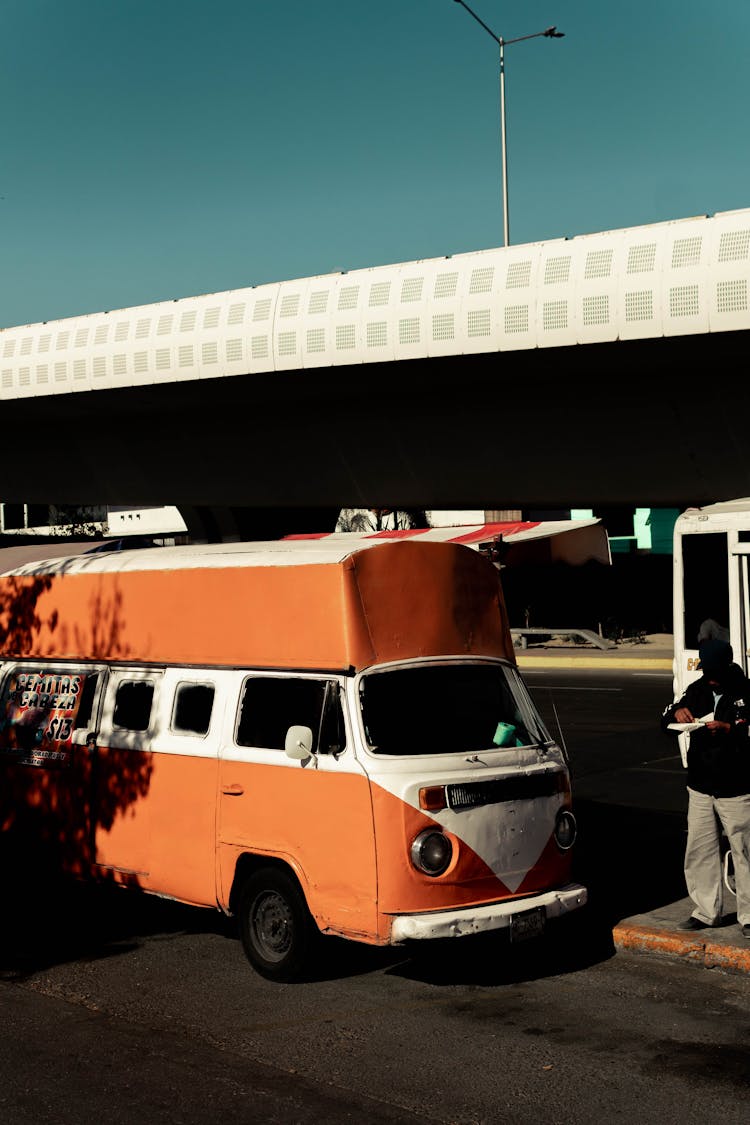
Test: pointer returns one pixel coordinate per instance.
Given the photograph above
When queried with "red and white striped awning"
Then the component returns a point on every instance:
(571, 541)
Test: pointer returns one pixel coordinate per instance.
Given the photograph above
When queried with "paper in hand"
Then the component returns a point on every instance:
(695, 725)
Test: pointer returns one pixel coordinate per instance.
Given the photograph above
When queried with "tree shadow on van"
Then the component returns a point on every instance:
(54, 790)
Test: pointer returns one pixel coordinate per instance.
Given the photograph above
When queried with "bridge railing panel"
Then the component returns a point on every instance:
(518, 278)
(412, 307)
(555, 293)
(640, 303)
(480, 294)
(379, 324)
(288, 342)
(320, 299)
(729, 273)
(684, 275)
(598, 271)
(345, 317)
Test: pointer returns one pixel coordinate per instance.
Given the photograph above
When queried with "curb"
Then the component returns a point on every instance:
(657, 663)
(709, 954)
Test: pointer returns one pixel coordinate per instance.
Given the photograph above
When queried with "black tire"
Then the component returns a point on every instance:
(277, 931)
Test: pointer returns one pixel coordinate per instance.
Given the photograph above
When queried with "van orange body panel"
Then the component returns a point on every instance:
(163, 830)
(404, 890)
(378, 605)
(317, 820)
(123, 838)
(467, 882)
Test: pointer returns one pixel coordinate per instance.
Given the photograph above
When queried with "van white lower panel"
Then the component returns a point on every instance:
(493, 916)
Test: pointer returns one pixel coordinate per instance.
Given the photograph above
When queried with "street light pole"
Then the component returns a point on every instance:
(504, 146)
(548, 33)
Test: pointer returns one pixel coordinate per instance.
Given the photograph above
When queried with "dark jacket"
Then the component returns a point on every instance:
(718, 764)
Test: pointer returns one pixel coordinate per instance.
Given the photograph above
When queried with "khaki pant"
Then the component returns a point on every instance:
(703, 868)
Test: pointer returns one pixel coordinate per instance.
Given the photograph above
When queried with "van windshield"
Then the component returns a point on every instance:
(448, 709)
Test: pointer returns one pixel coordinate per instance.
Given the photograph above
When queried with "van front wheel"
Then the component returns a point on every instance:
(276, 929)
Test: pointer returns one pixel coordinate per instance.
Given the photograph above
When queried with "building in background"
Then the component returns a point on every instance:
(44, 522)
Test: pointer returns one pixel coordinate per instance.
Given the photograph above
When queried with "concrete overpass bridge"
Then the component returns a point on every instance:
(605, 369)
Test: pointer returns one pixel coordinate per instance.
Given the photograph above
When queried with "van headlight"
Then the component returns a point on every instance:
(565, 830)
(431, 852)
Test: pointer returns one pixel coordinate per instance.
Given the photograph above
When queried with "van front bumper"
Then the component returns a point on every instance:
(478, 919)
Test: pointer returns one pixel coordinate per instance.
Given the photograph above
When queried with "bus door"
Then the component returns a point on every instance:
(314, 814)
(741, 582)
(705, 609)
(122, 773)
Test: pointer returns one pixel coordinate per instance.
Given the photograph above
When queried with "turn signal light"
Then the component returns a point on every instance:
(432, 798)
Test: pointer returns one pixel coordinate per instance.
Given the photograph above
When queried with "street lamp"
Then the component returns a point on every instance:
(548, 33)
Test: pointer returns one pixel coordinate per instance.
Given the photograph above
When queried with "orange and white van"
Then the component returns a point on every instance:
(317, 737)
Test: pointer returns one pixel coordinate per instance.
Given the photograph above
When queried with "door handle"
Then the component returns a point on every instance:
(233, 790)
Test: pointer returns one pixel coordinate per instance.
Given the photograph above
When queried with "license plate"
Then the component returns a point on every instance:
(529, 924)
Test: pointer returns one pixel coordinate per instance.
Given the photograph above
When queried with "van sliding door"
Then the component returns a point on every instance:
(124, 764)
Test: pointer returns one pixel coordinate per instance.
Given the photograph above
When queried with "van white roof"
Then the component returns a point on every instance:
(571, 541)
(283, 604)
(282, 552)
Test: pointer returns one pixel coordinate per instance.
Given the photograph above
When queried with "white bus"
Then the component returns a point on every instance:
(711, 584)
(711, 595)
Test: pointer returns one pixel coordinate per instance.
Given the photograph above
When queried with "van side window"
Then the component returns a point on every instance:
(133, 705)
(271, 705)
(333, 729)
(86, 706)
(193, 704)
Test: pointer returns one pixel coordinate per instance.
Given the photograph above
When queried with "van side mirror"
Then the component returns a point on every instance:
(298, 743)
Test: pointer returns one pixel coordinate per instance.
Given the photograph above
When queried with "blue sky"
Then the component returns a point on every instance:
(154, 149)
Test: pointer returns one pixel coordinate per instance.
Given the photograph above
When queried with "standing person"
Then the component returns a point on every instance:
(718, 765)
(711, 630)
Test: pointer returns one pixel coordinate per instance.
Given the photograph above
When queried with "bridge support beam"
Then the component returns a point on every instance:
(622, 423)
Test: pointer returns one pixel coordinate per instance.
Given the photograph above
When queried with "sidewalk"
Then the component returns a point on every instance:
(654, 654)
(656, 931)
(723, 947)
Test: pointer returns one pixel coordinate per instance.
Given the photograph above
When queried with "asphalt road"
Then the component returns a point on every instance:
(124, 1008)
(161, 1020)
(628, 783)
(610, 725)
